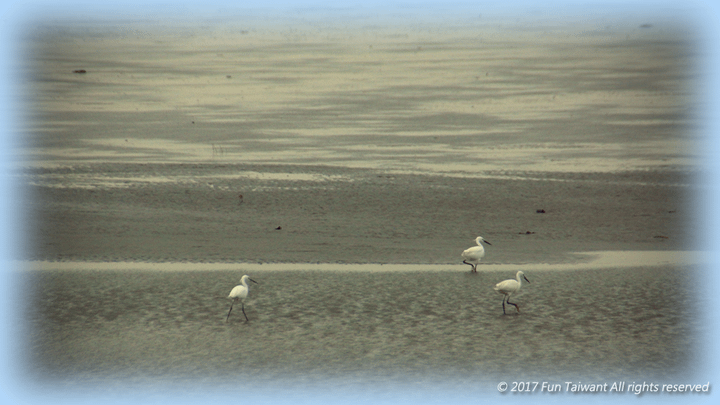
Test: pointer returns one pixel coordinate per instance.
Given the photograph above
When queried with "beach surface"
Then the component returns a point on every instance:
(182, 158)
(358, 144)
(176, 213)
(104, 328)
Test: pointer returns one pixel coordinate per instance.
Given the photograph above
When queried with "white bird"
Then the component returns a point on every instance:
(475, 253)
(240, 292)
(510, 286)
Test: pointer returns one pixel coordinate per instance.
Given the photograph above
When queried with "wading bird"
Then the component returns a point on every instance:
(239, 293)
(474, 254)
(508, 287)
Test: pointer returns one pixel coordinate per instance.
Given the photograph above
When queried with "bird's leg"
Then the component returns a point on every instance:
(471, 265)
(228, 315)
(504, 305)
(516, 305)
(243, 309)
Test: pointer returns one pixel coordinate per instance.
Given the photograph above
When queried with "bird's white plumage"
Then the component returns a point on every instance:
(508, 287)
(473, 255)
(239, 293)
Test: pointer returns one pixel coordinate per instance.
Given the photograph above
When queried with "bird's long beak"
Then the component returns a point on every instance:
(487, 242)
(253, 280)
(526, 279)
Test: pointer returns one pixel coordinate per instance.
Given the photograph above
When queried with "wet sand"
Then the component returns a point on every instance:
(359, 145)
(469, 97)
(327, 329)
(364, 143)
(348, 216)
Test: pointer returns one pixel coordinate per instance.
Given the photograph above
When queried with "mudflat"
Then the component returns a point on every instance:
(357, 143)
(347, 215)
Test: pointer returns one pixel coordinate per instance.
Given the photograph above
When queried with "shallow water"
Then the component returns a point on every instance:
(112, 329)
(129, 162)
(365, 96)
